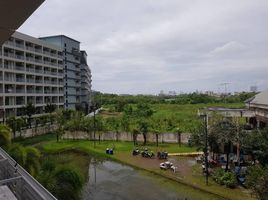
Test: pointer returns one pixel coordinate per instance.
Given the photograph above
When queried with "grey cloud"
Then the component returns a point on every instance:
(144, 46)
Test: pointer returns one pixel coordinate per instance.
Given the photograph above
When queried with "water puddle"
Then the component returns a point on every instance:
(113, 181)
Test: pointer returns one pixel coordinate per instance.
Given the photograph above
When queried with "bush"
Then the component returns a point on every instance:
(224, 178)
(229, 179)
(217, 176)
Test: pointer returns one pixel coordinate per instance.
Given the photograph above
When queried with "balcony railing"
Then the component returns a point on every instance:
(20, 68)
(20, 80)
(19, 57)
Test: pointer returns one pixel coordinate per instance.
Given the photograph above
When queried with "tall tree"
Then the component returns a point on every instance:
(29, 111)
(226, 133)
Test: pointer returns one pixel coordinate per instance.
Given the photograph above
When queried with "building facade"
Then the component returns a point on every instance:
(31, 71)
(259, 105)
(77, 74)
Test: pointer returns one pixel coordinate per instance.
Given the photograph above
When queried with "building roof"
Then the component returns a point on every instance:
(260, 99)
(13, 13)
(60, 36)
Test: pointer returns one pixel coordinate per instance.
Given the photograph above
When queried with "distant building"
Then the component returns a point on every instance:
(259, 104)
(253, 88)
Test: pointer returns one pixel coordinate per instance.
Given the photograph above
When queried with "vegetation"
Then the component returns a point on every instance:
(225, 178)
(257, 181)
(5, 136)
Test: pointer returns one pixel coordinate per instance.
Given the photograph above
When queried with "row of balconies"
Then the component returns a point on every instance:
(22, 79)
(34, 70)
(31, 91)
(34, 48)
(36, 60)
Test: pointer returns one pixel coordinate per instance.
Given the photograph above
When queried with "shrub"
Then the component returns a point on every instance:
(229, 179)
(224, 178)
(217, 176)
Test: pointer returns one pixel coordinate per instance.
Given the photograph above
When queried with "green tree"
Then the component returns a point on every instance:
(60, 119)
(225, 132)
(135, 133)
(256, 144)
(5, 136)
(29, 111)
(257, 181)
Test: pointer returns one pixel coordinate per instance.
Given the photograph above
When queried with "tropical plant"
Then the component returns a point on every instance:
(28, 157)
(5, 136)
(65, 182)
(12, 123)
(32, 162)
(18, 153)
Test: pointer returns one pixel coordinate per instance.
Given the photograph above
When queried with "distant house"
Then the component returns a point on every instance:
(259, 105)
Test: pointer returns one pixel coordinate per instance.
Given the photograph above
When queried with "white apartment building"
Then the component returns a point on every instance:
(31, 71)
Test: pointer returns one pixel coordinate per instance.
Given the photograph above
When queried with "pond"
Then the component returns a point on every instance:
(111, 180)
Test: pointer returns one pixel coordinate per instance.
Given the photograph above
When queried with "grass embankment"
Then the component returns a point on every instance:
(190, 176)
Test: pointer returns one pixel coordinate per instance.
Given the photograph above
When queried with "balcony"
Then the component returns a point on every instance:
(38, 60)
(40, 71)
(8, 66)
(30, 48)
(30, 69)
(19, 68)
(19, 45)
(20, 80)
(21, 57)
(30, 91)
(39, 81)
(39, 91)
(31, 59)
(30, 81)
(20, 91)
(10, 55)
(10, 79)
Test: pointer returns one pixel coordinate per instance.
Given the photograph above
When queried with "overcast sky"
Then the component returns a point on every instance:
(144, 46)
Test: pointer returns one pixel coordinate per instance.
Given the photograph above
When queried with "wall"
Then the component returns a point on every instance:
(165, 137)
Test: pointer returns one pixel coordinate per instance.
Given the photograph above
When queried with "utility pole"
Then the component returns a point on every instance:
(225, 90)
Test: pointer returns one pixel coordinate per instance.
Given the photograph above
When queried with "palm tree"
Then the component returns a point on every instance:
(68, 184)
(12, 123)
(32, 164)
(18, 153)
(5, 136)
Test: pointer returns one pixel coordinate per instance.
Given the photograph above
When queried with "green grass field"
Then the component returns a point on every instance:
(182, 116)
